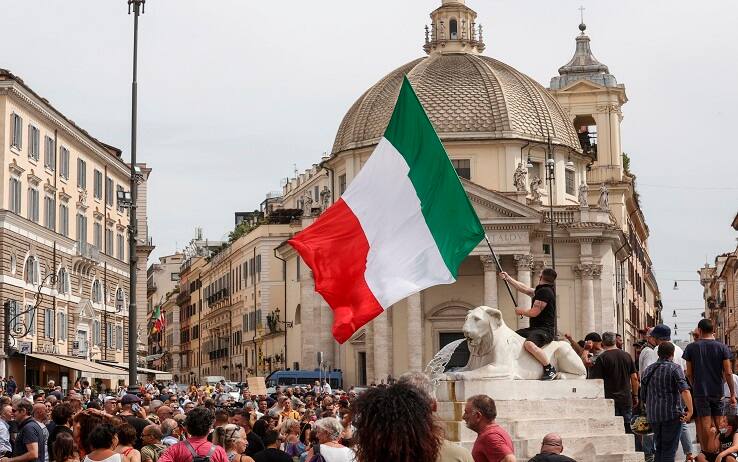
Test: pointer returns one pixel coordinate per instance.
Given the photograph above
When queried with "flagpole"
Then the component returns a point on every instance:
(497, 262)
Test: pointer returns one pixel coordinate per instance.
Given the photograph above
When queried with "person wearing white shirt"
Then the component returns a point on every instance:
(729, 410)
(327, 388)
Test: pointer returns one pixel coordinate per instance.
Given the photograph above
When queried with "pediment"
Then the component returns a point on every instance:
(85, 311)
(580, 85)
(492, 206)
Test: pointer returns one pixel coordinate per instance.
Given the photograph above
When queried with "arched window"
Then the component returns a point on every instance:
(31, 270)
(120, 300)
(62, 282)
(97, 295)
(298, 315)
(453, 29)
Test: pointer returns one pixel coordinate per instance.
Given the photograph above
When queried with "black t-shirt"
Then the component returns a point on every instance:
(139, 424)
(272, 455)
(54, 433)
(29, 431)
(255, 444)
(551, 458)
(547, 319)
(707, 358)
(614, 367)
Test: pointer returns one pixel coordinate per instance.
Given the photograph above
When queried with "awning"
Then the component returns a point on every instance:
(163, 375)
(88, 369)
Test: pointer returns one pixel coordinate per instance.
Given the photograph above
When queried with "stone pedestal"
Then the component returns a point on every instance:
(529, 409)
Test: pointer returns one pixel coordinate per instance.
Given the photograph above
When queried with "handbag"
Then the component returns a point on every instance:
(641, 425)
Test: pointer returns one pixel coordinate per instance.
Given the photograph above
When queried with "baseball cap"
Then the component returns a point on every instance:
(661, 332)
(130, 399)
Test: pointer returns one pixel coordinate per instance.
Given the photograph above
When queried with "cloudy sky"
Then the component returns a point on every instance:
(235, 93)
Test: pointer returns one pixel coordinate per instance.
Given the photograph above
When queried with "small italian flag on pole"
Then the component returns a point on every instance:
(404, 224)
(159, 322)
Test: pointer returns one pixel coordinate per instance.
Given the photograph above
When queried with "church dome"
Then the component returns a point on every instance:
(467, 96)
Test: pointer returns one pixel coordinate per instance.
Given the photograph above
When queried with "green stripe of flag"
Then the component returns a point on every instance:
(452, 221)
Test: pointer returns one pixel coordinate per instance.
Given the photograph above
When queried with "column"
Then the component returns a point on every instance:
(308, 307)
(587, 272)
(326, 333)
(414, 333)
(381, 348)
(524, 264)
(490, 280)
(369, 345)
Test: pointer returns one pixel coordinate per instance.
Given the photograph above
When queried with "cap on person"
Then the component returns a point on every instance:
(661, 332)
(130, 399)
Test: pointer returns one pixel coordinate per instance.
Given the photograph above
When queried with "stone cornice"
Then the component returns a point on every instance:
(11, 88)
(33, 179)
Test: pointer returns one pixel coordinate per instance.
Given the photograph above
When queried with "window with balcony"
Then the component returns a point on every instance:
(33, 205)
(50, 213)
(109, 242)
(49, 325)
(16, 131)
(14, 196)
(64, 163)
(49, 153)
(34, 142)
(109, 191)
(62, 282)
(31, 271)
(64, 220)
(97, 189)
(97, 235)
(97, 293)
(81, 174)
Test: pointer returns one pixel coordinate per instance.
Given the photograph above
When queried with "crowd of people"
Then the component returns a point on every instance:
(657, 392)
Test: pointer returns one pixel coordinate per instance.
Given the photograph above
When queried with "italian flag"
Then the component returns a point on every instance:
(159, 322)
(404, 224)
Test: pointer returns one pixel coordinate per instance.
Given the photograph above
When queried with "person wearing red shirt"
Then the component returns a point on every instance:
(198, 424)
(493, 443)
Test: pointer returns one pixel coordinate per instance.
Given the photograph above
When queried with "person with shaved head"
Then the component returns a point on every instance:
(551, 450)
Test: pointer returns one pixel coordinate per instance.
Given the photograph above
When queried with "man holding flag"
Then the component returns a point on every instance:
(542, 314)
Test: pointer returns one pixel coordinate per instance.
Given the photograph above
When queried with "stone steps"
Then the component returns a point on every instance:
(529, 409)
(535, 409)
(538, 428)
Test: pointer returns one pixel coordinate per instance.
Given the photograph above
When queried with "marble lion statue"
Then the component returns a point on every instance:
(497, 352)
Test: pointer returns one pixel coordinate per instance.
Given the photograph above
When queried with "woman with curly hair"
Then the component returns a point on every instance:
(395, 423)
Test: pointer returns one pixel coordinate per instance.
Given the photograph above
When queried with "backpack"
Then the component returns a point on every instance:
(198, 458)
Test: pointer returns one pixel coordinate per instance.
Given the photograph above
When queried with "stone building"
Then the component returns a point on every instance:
(161, 281)
(720, 293)
(62, 235)
(506, 135)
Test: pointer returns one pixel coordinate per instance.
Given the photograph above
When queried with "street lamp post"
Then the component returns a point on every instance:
(138, 8)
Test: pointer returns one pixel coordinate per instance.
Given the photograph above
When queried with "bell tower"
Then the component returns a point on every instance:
(453, 29)
(593, 97)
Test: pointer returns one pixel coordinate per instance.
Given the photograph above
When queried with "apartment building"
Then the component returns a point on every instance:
(64, 278)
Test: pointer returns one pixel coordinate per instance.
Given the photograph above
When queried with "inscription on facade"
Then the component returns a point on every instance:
(508, 237)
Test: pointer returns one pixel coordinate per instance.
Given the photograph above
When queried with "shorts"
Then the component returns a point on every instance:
(712, 456)
(540, 337)
(707, 406)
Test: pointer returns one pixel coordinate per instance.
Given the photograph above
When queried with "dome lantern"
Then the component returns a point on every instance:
(583, 66)
(453, 29)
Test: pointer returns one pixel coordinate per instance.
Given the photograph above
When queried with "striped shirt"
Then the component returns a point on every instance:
(661, 389)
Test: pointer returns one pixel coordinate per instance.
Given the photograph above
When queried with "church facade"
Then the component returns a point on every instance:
(544, 171)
